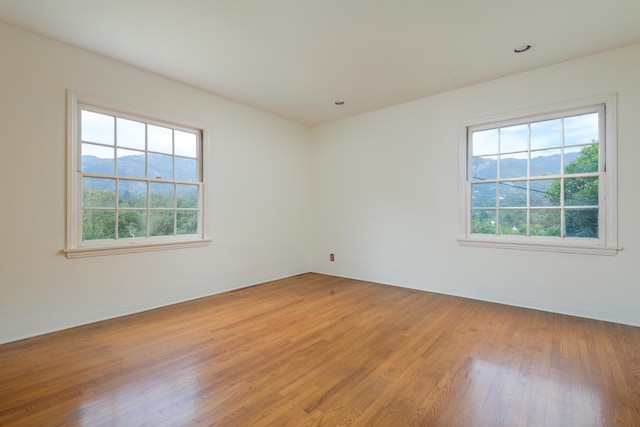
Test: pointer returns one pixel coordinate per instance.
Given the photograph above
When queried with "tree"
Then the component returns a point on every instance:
(132, 223)
(579, 192)
(187, 222)
(98, 223)
(578, 189)
(161, 222)
(99, 215)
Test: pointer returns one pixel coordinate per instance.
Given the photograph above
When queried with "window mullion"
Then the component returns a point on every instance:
(117, 206)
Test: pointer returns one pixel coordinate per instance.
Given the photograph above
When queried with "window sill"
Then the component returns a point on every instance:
(542, 247)
(133, 248)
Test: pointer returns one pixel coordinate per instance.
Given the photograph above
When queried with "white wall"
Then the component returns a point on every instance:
(257, 199)
(385, 197)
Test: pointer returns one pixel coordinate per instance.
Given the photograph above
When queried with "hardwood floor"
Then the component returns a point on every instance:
(320, 350)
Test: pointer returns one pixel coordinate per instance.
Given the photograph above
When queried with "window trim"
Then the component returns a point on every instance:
(607, 243)
(74, 246)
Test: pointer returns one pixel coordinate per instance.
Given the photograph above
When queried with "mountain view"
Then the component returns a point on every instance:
(160, 166)
(487, 167)
(173, 208)
(561, 206)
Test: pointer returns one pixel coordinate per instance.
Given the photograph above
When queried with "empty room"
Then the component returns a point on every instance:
(319, 213)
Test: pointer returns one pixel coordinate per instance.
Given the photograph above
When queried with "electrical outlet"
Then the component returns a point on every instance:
(332, 257)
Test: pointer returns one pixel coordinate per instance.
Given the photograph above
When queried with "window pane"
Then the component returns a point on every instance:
(513, 222)
(97, 127)
(130, 163)
(546, 134)
(161, 223)
(186, 169)
(160, 139)
(581, 192)
(581, 129)
(131, 134)
(162, 195)
(513, 194)
(97, 159)
(581, 223)
(581, 159)
(546, 162)
(514, 138)
(98, 193)
(484, 168)
(160, 166)
(132, 223)
(484, 142)
(483, 195)
(545, 192)
(545, 222)
(513, 165)
(187, 196)
(132, 194)
(483, 221)
(186, 144)
(187, 222)
(98, 224)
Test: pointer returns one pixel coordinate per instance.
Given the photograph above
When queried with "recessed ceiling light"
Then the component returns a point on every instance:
(339, 102)
(523, 48)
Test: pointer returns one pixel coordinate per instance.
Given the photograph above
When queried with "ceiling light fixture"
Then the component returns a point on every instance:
(523, 48)
(339, 102)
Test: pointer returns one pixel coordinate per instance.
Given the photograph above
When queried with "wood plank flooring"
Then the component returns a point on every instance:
(317, 350)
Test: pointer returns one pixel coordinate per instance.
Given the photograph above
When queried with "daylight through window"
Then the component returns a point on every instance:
(541, 180)
(137, 181)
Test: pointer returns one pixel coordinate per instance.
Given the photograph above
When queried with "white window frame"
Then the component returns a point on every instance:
(607, 241)
(77, 248)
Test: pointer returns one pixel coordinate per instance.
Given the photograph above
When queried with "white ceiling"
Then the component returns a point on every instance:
(294, 58)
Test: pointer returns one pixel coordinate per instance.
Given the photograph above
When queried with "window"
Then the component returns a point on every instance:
(542, 180)
(135, 183)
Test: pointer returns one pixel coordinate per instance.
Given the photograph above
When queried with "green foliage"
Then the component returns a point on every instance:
(161, 200)
(513, 222)
(161, 223)
(98, 198)
(545, 223)
(98, 224)
(587, 161)
(579, 192)
(132, 223)
(483, 221)
(581, 223)
(127, 200)
(101, 223)
(578, 189)
(187, 222)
